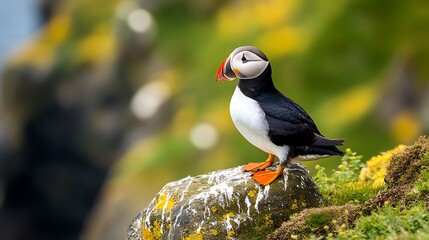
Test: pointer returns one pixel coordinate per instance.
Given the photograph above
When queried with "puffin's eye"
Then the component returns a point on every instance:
(243, 59)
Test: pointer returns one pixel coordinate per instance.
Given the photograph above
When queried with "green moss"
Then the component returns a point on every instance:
(358, 193)
(353, 193)
(425, 159)
(342, 186)
(405, 166)
(392, 222)
(421, 186)
(317, 220)
(397, 211)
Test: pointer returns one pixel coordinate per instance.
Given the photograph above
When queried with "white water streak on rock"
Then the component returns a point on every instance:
(175, 223)
(186, 189)
(258, 199)
(285, 179)
(219, 177)
(228, 223)
(248, 205)
(148, 215)
(302, 182)
(238, 205)
(220, 200)
(211, 177)
(200, 226)
(238, 221)
(164, 209)
(224, 191)
(266, 191)
(262, 194)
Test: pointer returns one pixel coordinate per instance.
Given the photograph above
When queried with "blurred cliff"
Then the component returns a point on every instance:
(110, 100)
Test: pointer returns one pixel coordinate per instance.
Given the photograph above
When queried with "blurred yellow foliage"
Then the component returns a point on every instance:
(37, 53)
(170, 75)
(219, 116)
(41, 51)
(376, 167)
(272, 13)
(405, 127)
(182, 120)
(281, 41)
(349, 106)
(57, 29)
(99, 46)
(242, 17)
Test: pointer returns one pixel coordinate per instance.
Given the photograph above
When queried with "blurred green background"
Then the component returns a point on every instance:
(104, 102)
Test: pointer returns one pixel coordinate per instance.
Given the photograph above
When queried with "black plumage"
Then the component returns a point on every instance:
(267, 118)
(289, 124)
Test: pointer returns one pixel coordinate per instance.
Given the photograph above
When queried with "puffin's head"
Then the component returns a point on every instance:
(244, 63)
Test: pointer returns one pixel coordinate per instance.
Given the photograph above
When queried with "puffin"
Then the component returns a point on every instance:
(268, 119)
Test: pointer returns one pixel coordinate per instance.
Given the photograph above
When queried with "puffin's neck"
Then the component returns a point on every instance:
(256, 87)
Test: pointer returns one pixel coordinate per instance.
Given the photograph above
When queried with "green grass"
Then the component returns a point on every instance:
(317, 219)
(343, 185)
(421, 186)
(393, 222)
(355, 210)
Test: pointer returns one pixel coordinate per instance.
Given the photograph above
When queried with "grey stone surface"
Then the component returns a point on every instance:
(226, 204)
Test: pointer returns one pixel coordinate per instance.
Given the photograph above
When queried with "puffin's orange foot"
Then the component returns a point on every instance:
(259, 165)
(264, 177)
(255, 166)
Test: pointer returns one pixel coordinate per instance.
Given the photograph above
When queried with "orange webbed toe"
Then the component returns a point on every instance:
(256, 166)
(265, 177)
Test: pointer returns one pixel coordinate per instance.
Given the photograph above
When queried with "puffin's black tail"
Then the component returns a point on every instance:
(314, 151)
(322, 141)
(321, 147)
(324, 146)
(331, 150)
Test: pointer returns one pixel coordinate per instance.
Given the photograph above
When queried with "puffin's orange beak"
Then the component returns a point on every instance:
(224, 72)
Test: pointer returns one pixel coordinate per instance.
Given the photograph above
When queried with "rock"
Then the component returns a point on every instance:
(406, 187)
(225, 204)
(405, 166)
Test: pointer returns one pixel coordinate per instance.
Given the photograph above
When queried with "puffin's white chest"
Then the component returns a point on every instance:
(249, 119)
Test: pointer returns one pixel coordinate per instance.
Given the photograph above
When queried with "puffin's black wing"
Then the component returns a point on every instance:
(289, 124)
(287, 133)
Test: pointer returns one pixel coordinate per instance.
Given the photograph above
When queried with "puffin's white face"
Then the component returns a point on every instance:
(244, 62)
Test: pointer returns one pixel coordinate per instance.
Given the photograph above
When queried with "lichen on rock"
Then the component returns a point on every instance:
(225, 204)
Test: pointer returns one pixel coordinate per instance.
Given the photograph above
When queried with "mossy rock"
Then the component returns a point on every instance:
(316, 221)
(225, 204)
(406, 166)
(407, 184)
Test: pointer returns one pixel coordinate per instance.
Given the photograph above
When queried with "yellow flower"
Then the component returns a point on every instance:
(342, 166)
(381, 173)
(376, 168)
(378, 182)
(364, 173)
